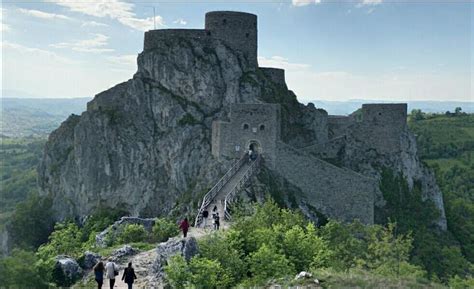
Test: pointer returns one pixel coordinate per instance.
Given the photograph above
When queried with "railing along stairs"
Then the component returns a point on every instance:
(217, 187)
(230, 197)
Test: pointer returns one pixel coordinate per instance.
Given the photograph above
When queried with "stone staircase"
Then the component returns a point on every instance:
(220, 198)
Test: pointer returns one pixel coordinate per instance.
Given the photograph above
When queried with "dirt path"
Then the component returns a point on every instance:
(142, 263)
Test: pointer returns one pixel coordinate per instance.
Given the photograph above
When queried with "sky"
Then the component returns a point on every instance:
(331, 50)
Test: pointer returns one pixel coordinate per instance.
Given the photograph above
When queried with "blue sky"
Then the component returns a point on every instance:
(331, 50)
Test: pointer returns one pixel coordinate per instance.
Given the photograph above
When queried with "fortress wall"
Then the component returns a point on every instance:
(338, 193)
(328, 150)
(338, 124)
(263, 122)
(153, 37)
(237, 29)
(220, 131)
(382, 126)
(276, 75)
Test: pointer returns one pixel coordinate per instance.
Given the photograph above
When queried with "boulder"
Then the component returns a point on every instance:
(66, 271)
(126, 250)
(89, 260)
(186, 247)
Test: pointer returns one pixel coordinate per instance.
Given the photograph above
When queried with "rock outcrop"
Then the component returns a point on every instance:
(66, 271)
(144, 145)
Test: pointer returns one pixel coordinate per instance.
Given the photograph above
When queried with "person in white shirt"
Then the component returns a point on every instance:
(110, 269)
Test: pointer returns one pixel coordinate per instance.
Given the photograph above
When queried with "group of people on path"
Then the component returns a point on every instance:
(110, 271)
(215, 218)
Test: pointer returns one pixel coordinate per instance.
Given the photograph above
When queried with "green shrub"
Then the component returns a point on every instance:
(19, 271)
(199, 273)
(65, 239)
(266, 263)
(177, 272)
(188, 119)
(208, 274)
(163, 230)
(225, 248)
(132, 233)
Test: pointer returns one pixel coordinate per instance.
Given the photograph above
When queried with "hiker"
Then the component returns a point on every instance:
(205, 214)
(99, 274)
(111, 271)
(184, 227)
(216, 221)
(129, 275)
(214, 209)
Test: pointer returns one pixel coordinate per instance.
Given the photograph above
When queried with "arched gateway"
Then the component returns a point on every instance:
(253, 127)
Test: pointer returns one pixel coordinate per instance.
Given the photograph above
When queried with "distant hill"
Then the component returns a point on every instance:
(20, 117)
(347, 107)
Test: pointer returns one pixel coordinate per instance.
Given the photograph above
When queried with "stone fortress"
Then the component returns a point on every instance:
(198, 102)
(335, 191)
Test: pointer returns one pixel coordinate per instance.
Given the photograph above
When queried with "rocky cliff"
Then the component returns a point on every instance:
(144, 145)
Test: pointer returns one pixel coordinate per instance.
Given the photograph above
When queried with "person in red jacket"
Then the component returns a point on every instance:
(184, 226)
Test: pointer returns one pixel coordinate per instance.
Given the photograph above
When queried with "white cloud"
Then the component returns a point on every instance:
(114, 9)
(43, 15)
(180, 21)
(281, 62)
(93, 45)
(40, 53)
(299, 3)
(93, 24)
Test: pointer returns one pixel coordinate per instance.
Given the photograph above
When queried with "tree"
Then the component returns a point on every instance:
(226, 249)
(267, 263)
(304, 248)
(31, 223)
(19, 271)
(417, 114)
(65, 239)
(457, 111)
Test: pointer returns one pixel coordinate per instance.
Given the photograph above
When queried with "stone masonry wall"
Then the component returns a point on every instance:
(276, 75)
(382, 126)
(339, 193)
(237, 29)
(153, 37)
(259, 123)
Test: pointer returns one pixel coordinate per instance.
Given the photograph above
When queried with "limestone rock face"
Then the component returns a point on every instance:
(144, 146)
(186, 247)
(404, 161)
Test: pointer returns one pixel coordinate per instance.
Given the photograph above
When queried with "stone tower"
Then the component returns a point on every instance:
(237, 29)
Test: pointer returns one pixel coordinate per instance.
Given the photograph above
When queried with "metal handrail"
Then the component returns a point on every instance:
(210, 195)
(237, 188)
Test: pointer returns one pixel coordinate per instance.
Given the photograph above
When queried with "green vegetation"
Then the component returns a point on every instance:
(18, 160)
(446, 144)
(188, 119)
(163, 230)
(276, 244)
